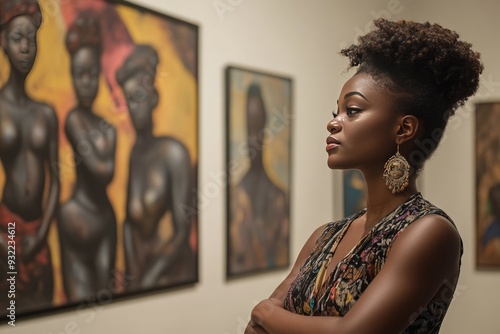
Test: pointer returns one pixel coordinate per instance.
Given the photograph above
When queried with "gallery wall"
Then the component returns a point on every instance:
(300, 39)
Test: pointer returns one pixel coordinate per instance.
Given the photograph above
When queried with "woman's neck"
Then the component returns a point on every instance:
(87, 110)
(380, 199)
(15, 88)
(256, 163)
(144, 137)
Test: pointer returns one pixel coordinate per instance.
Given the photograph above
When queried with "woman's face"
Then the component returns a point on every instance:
(139, 98)
(364, 127)
(19, 43)
(85, 69)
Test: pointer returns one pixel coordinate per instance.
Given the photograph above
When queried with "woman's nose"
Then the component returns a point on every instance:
(333, 126)
(24, 45)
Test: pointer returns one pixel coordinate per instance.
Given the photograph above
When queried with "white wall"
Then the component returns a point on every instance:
(300, 39)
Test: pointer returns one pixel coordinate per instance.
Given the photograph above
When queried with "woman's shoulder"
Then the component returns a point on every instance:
(431, 227)
(43, 108)
(426, 210)
(413, 209)
(435, 209)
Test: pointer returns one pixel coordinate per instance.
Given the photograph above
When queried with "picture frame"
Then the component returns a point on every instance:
(487, 169)
(259, 121)
(108, 156)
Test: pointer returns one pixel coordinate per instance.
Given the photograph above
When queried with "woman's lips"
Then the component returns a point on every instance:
(331, 143)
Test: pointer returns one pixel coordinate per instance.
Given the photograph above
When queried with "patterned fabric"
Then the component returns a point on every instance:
(358, 268)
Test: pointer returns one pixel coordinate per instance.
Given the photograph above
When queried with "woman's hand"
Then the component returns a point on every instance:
(260, 313)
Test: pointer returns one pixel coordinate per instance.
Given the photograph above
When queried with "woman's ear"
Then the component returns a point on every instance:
(409, 128)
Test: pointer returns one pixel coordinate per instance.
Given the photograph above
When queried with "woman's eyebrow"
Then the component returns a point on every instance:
(354, 93)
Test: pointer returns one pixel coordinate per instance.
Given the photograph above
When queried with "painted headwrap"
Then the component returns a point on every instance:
(85, 31)
(10, 9)
(143, 58)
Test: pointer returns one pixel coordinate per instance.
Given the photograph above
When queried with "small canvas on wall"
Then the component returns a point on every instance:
(259, 122)
(488, 185)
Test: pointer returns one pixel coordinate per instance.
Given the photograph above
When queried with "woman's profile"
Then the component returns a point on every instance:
(393, 266)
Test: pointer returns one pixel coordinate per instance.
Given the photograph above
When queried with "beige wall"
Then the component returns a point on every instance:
(301, 39)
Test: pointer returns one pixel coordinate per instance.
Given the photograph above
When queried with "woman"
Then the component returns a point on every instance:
(86, 222)
(392, 267)
(156, 228)
(28, 148)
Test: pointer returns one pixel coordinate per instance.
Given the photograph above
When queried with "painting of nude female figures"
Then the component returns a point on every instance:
(258, 170)
(99, 127)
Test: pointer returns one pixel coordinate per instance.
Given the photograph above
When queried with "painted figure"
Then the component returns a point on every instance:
(28, 148)
(156, 229)
(87, 222)
(259, 208)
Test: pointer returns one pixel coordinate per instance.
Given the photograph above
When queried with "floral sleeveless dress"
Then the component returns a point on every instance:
(354, 272)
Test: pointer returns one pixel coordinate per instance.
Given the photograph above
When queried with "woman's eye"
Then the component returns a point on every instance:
(352, 111)
(15, 38)
(335, 114)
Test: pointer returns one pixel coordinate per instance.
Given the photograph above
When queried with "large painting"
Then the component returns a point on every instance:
(259, 109)
(99, 153)
(488, 185)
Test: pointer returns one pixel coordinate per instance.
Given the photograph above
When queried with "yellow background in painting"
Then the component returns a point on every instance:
(50, 82)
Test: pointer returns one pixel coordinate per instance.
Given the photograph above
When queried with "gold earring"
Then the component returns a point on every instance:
(396, 173)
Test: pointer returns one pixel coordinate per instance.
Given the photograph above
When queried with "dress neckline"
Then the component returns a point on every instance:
(322, 280)
(389, 214)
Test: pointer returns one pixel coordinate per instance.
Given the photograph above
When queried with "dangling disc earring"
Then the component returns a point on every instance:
(396, 173)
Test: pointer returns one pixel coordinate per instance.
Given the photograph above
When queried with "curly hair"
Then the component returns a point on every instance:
(426, 67)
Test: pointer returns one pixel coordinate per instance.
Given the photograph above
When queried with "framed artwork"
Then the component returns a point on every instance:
(354, 191)
(259, 122)
(99, 154)
(487, 185)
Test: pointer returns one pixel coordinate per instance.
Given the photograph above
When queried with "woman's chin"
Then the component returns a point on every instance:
(337, 165)
(332, 165)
